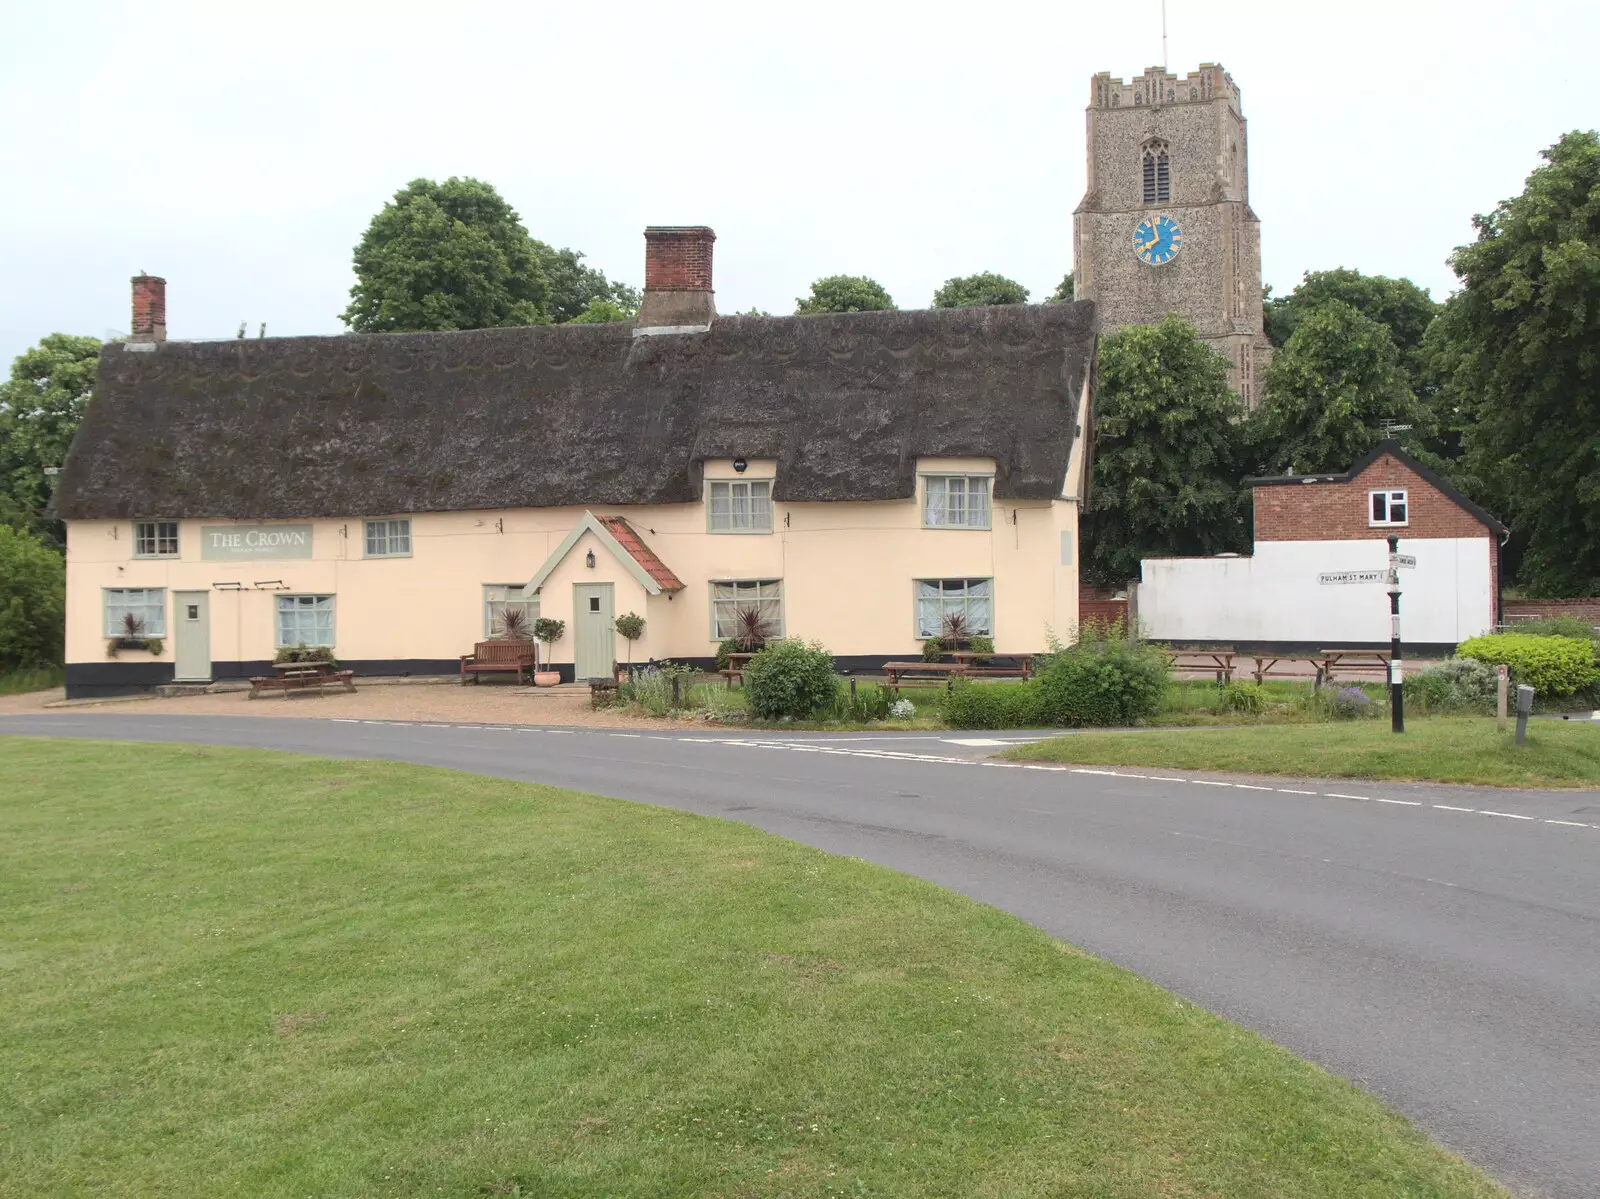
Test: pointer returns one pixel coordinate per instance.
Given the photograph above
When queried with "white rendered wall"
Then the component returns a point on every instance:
(1275, 595)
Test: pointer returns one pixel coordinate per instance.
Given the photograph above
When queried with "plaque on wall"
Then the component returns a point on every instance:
(255, 543)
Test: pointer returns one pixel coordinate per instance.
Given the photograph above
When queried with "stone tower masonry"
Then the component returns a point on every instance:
(1175, 147)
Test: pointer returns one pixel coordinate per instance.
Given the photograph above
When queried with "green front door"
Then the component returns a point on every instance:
(593, 631)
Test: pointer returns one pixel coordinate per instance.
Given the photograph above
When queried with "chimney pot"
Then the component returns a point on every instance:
(149, 309)
(677, 277)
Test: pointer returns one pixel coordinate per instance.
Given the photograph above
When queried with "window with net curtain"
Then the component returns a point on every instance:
(956, 501)
(741, 505)
(147, 605)
(498, 598)
(972, 599)
(763, 595)
(305, 620)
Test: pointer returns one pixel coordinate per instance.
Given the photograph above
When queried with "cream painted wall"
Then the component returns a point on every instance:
(847, 569)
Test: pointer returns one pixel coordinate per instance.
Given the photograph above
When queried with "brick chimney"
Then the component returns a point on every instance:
(677, 278)
(149, 309)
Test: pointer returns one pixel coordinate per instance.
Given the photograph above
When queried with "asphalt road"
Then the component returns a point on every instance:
(1437, 946)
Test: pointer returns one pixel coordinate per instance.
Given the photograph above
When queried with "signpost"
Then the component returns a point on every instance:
(1502, 679)
(1397, 691)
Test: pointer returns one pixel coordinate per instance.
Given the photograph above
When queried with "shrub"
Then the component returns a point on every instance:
(1550, 665)
(1247, 699)
(304, 653)
(868, 703)
(650, 687)
(1105, 679)
(1455, 685)
(1349, 703)
(981, 645)
(903, 709)
(932, 649)
(970, 705)
(631, 627)
(792, 679)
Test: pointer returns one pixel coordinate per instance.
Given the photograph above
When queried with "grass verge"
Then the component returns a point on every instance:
(242, 972)
(21, 682)
(1462, 749)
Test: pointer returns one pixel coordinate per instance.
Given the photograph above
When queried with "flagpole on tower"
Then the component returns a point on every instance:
(1163, 36)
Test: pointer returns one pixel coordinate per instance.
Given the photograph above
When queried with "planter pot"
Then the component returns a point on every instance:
(546, 678)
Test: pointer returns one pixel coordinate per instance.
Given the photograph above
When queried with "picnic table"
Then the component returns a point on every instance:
(302, 676)
(921, 674)
(1354, 660)
(1218, 659)
(974, 662)
(735, 668)
(1266, 663)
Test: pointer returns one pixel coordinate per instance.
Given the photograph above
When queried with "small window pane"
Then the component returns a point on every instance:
(956, 502)
(729, 599)
(741, 506)
(938, 599)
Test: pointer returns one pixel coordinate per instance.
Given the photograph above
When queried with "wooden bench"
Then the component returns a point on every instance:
(900, 675)
(1265, 664)
(310, 678)
(983, 665)
(1218, 660)
(505, 657)
(1359, 661)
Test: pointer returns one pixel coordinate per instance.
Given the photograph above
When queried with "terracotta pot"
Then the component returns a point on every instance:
(546, 678)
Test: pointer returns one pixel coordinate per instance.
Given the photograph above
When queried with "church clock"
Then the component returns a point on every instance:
(1157, 240)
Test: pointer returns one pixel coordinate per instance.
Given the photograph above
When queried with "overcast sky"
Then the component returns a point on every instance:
(240, 149)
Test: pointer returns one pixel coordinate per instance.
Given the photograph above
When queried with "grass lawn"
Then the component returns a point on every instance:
(1446, 749)
(21, 682)
(228, 972)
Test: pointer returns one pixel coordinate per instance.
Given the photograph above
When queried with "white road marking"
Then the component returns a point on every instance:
(634, 735)
(1409, 803)
(1507, 815)
(1210, 783)
(1568, 823)
(1292, 791)
(1338, 795)
(1039, 811)
(974, 741)
(1444, 807)
(1249, 787)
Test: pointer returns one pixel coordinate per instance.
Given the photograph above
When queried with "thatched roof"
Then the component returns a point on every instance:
(577, 414)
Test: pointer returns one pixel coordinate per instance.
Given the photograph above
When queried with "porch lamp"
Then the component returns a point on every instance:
(588, 559)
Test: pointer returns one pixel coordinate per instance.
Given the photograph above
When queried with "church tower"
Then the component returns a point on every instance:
(1165, 224)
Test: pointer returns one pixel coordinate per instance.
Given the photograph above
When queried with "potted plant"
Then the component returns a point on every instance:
(631, 627)
(547, 631)
(957, 631)
(513, 625)
(132, 636)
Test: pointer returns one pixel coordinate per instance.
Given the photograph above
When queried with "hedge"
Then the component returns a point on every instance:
(1550, 665)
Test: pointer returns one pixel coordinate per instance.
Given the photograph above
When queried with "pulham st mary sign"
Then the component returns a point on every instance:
(236, 543)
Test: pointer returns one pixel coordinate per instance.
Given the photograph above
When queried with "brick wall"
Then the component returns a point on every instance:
(1587, 608)
(149, 309)
(1095, 605)
(678, 259)
(1339, 511)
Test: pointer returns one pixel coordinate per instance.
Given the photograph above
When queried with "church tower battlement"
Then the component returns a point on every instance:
(1165, 224)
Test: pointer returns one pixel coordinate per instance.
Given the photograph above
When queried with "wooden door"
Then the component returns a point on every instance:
(594, 633)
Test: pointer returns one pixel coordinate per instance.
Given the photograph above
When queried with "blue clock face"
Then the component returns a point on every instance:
(1157, 240)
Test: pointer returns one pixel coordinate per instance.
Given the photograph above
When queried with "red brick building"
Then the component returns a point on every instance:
(1314, 579)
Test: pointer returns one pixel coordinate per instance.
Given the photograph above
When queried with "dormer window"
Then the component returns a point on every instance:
(956, 501)
(155, 539)
(740, 505)
(1156, 161)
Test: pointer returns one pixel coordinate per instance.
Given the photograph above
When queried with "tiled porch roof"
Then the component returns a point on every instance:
(630, 540)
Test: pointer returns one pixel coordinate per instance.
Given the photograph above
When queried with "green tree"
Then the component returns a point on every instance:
(1520, 353)
(1329, 388)
(979, 291)
(603, 311)
(444, 256)
(33, 601)
(1400, 305)
(844, 293)
(1063, 293)
(574, 287)
(1166, 475)
(40, 406)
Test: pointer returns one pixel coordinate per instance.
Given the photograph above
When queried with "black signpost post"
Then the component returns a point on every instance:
(1397, 691)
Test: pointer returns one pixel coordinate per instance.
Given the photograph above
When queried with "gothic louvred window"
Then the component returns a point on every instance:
(1157, 163)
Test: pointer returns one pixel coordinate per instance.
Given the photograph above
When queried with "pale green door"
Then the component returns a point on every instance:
(593, 631)
(191, 636)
